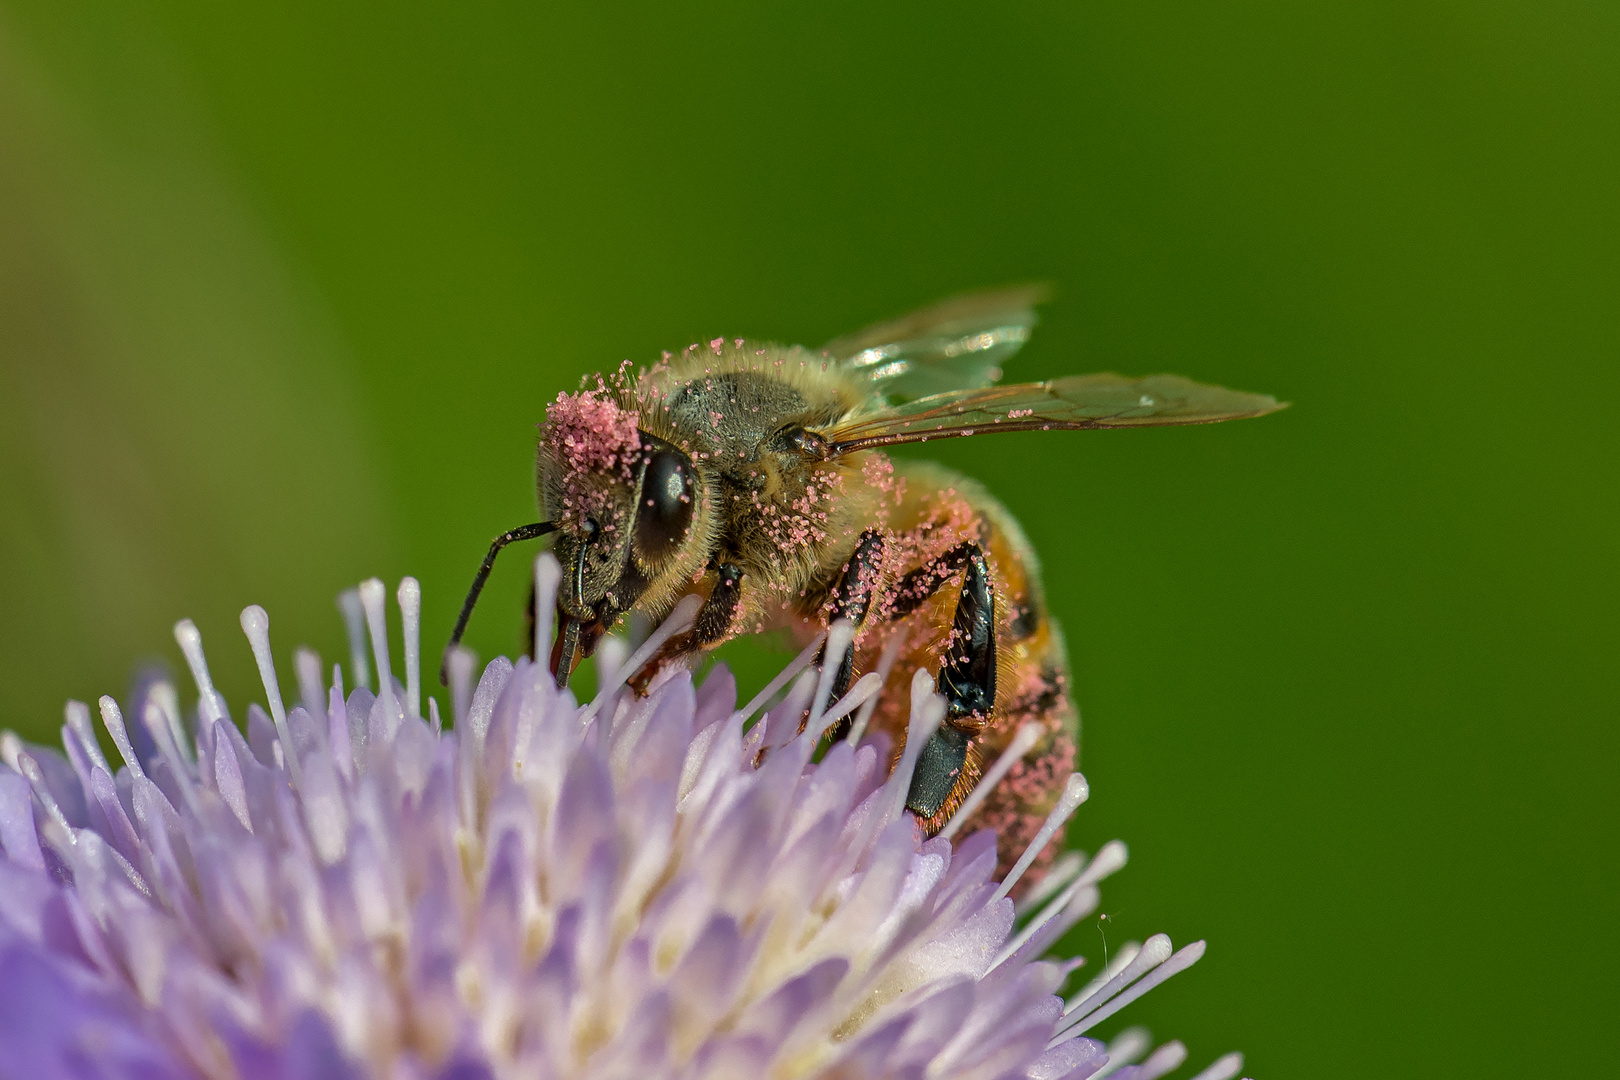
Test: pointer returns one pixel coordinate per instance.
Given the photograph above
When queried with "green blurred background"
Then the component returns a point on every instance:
(284, 289)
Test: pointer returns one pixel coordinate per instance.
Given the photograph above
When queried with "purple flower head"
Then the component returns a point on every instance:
(638, 886)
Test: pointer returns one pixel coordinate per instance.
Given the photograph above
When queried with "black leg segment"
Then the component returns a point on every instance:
(851, 599)
(967, 681)
(938, 767)
(923, 582)
(715, 616)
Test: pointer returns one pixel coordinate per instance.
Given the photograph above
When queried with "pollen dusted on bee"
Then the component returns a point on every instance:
(749, 473)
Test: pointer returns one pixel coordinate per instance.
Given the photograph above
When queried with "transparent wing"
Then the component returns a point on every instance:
(957, 344)
(1078, 402)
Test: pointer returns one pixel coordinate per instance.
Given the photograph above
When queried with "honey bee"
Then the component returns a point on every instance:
(753, 475)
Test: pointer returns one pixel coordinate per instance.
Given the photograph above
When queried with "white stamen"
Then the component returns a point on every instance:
(1022, 743)
(311, 691)
(1222, 1068)
(433, 716)
(611, 653)
(168, 699)
(189, 639)
(679, 620)
(157, 726)
(354, 625)
(927, 713)
(1073, 903)
(374, 599)
(24, 762)
(839, 636)
(338, 740)
(256, 625)
(1110, 859)
(1062, 872)
(1108, 999)
(1122, 957)
(113, 720)
(774, 729)
(1153, 952)
(1062, 913)
(463, 661)
(410, 616)
(865, 688)
(1180, 962)
(547, 576)
(78, 718)
(891, 653)
(1123, 1049)
(1075, 792)
(1166, 1058)
(783, 677)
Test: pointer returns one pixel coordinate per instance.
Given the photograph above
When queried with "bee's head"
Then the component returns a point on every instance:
(624, 503)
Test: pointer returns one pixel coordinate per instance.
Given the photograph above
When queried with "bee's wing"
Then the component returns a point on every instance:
(956, 344)
(1078, 402)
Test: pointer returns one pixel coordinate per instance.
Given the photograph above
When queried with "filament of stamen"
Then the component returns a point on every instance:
(547, 576)
(1075, 792)
(783, 677)
(927, 712)
(410, 616)
(157, 726)
(189, 639)
(78, 718)
(462, 664)
(113, 720)
(307, 666)
(1222, 1068)
(1123, 1049)
(1122, 956)
(1166, 1058)
(885, 664)
(1181, 961)
(1063, 871)
(354, 627)
(169, 701)
(839, 635)
(1154, 951)
(1022, 743)
(679, 620)
(374, 599)
(256, 625)
(24, 762)
(1061, 914)
(865, 688)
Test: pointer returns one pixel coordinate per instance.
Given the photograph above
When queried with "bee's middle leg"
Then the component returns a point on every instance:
(852, 599)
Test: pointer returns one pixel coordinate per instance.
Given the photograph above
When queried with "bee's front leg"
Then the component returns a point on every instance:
(711, 627)
(967, 681)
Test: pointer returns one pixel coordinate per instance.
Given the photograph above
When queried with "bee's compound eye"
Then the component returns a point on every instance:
(665, 511)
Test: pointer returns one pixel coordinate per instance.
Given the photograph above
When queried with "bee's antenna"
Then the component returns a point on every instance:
(522, 532)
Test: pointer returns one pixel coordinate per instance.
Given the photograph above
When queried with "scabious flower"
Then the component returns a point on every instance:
(641, 887)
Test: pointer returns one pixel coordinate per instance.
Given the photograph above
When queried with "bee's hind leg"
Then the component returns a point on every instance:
(967, 681)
